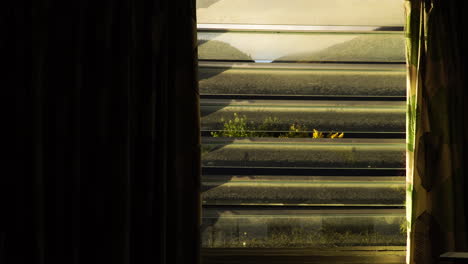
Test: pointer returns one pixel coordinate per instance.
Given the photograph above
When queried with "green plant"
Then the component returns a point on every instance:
(404, 227)
(296, 131)
(271, 126)
(236, 127)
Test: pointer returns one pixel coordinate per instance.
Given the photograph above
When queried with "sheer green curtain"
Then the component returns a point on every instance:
(436, 129)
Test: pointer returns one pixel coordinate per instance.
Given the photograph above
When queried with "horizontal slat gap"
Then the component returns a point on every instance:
(358, 250)
(307, 179)
(299, 97)
(296, 28)
(359, 66)
(296, 212)
(303, 103)
(306, 62)
(310, 141)
(303, 171)
(352, 134)
(262, 206)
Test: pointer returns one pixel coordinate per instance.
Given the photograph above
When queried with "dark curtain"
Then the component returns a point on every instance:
(106, 132)
(437, 129)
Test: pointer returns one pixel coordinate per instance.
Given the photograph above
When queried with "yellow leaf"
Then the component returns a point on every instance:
(317, 134)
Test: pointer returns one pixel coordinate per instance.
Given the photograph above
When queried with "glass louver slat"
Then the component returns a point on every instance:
(302, 12)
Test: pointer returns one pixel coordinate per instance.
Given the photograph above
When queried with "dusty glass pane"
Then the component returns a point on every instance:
(307, 47)
(305, 153)
(294, 79)
(279, 115)
(302, 12)
(308, 228)
(287, 190)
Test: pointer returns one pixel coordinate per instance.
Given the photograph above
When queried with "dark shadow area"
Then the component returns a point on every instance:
(210, 49)
(205, 48)
(304, 171)
(213, 108)
(388, 28)
(206, 3)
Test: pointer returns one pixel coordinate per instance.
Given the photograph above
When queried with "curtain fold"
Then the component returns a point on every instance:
(107, 138)
(437, 132)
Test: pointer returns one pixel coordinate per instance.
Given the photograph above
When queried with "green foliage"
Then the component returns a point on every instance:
(269, 124)
(239, 127)
(296, 131)
(404, 227)
(236, 127)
